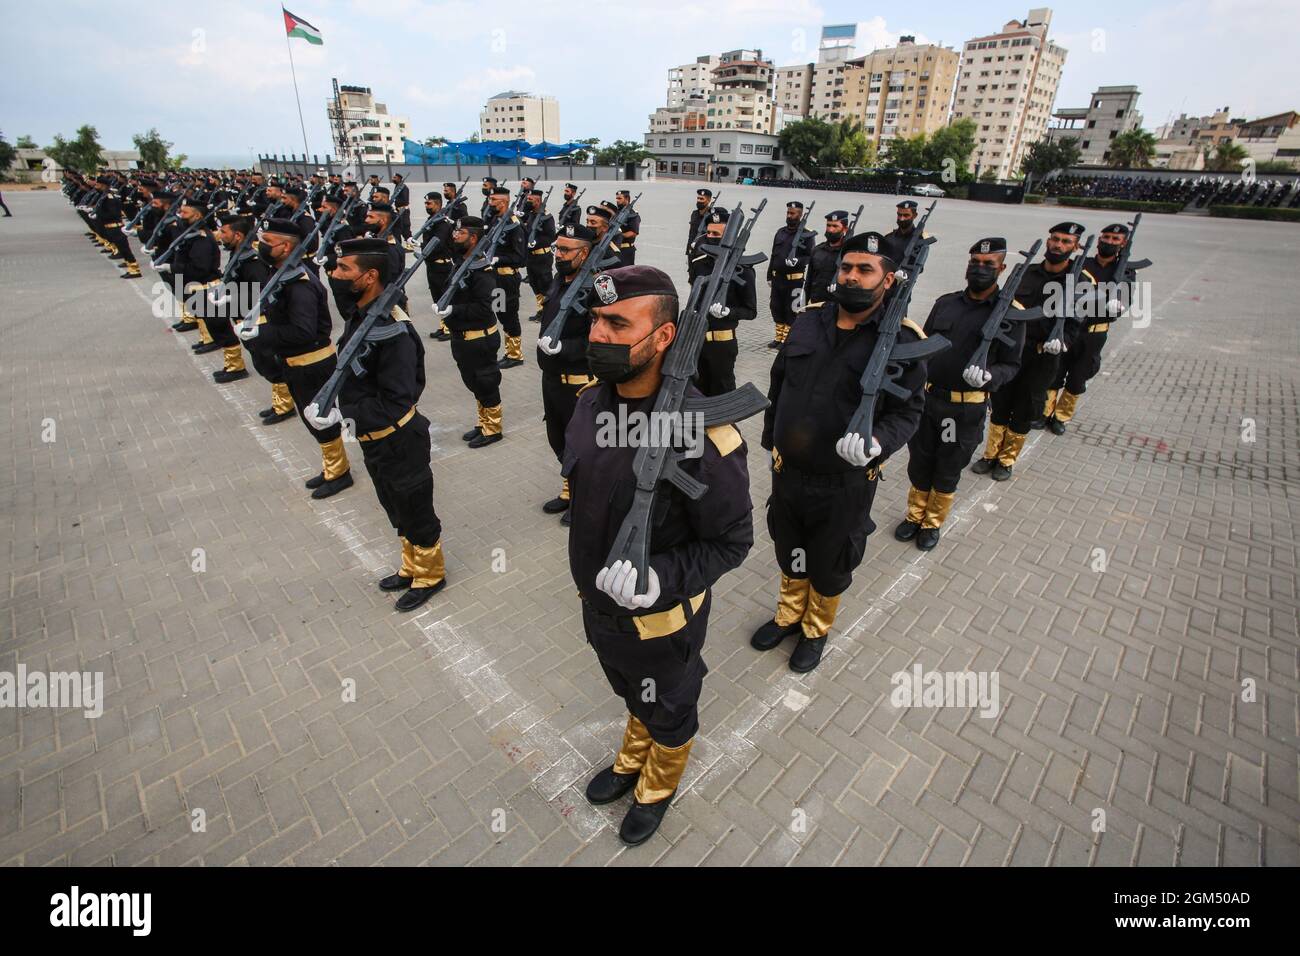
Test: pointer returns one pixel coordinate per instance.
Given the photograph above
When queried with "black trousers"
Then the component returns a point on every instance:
(716, 373)
(437, 273)
(304, 382)
(118, 238)
(399, 469)
(949, 434)
(402, 228)
(782, 302)
(1081, 363)
(541, 273)
(1019, 403)
(558, 402)
(266, 365)
(668, 670)
(477, 361)
(819, 525)
(509, 314)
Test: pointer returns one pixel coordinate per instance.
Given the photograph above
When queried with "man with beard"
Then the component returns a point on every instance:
(791, 247)
(570, 212)
(540, 259)
(905, 227)
(631, 229)
(511, 254)
(824, 477)
(824, 261)
(440, 264)
(703, 198)
(716, 374)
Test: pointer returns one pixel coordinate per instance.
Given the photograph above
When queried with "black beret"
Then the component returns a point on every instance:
(837, 215)
(470, 222)
(397, 176)
(148, 184)
(907, 204)
(869, 242)
(490, 179)
(1118, 227)
(794, 204)
(578, 231)
(528, 179)
(296, 192)
(719, 215)
(624, 192)
(1069, 228)
(381, 207)
(196, 205)
(571, 186)
(535, 192)
(437, 196)
(629, 282)
(500, 191)
(281, 226)
(606, 204)
(362, 247)
(452, 185)
(599, 211)
(990, 245)
(707, 193)
(379, 189)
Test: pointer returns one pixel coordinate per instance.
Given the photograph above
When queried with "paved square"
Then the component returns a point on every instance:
(1162, 693)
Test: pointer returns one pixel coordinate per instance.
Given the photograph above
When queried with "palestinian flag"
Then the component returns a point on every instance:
(298, 27)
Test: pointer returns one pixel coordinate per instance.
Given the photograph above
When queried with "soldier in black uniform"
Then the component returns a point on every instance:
(401, 202)
(456, 209)
(247, 279)
(649, 645)
(598, 218)
(791, 248)
(570, 212)
(824, 261)
(393, 435)
(359, 211)
(823, 478)
(703, 198)
(564, 372)
(296, 209)
(956, 393)
(339, 290)
(511, 256)
(489, 184)
(378, 219)
(716, 374)
(475, 336)
(631, 229)
(440, 264)
(296, 335)
(1082, 358)
(195, 267)
(1016, 405)
(905, 225)
(539, 249)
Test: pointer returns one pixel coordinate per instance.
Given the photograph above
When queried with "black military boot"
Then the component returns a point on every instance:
(771, 634)
(274, 419)
(1000, 472)
(1038, 424)
(266, 413)
(328, 488)
(203, 348)
(311, 484)
(1056, 426)
(556, 505)
(807, 654)
(484, 440)
(643, 820)
(415, 597)
(222, 377)
(906, 530)
(473, 433)
(608, 786)
(394, 582)
(983, 466)
(927, 538)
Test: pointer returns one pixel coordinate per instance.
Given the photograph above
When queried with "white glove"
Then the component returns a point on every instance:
(218, 300)
(313, 415)
(246, 334)
(619, 582)
(792, 262)
(719, 311)
(162, 267)
(1054, 346)
(853, 449)
(495, 260)
(442, 313)
(532, 243)
(544, 343)
(977, 377)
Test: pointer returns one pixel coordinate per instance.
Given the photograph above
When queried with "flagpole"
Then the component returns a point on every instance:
(294, 73)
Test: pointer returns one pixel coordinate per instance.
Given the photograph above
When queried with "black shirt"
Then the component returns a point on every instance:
(572, 357)
(821, 272)
(960, 319)
(393, 379)
(472, 302)
(785, 246)
(740, 296)
(298, 321)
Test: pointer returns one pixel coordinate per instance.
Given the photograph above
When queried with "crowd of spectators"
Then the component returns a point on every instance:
(1198, 191)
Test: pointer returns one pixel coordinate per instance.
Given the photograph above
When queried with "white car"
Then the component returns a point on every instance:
(927, 189)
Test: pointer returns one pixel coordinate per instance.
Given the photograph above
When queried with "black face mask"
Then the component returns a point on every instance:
(612, 362)
(980, 277)
(1055, 258)
(1108, 250)
(565, 267)
(460, 248)
(265, 250)
(487, 191)
(701, 204)
(833, 236)
(857, 300)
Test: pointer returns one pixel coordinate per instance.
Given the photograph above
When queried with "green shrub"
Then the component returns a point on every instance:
(1034, 198)
(1132, 205)
(1279, 214)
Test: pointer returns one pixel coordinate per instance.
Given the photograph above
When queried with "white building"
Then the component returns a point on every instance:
(369, 131)
(516, 115)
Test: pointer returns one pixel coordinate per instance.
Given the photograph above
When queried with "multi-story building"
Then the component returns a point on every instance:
(742, 93)
(1272, 138)
(717, 155)
(1187, 129)
(811, 89)
(691, 81)
(899, 91)
(368, 131)
(1113, 110)
(792, 90)
(1007, 85)
(516, 115)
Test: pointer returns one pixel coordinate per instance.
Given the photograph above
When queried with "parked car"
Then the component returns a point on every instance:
(928, 189)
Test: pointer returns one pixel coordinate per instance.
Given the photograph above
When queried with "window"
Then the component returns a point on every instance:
(677, 141)
(672, 169)
(746, 147)
(705, 141)
(1119, 114)
(662, 141)
(1085, 144)
(724, 147)
(688, 168)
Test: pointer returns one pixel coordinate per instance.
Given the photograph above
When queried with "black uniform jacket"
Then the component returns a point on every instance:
(394, 374)
(960, 319)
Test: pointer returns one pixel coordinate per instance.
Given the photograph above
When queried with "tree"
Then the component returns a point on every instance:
(950, 148)
(580, 156)
(1046, 156)
(84, 154)
(26, 142)
(852, 149)
(177, 161)
(7, 153)
(1133, 149)
(620, 152)
(809, 143)
(1275, 166)
(153, 149)
(989, 175)
(435, 141)
(906, 153)
(1227, 157)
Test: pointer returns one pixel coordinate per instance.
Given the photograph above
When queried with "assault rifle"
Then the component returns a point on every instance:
(703, 224)
(289, 269)
(166, 218)
(190, 230)
(1074, 294)
(537, 221)
(480, 258)
(597, 260)
(997, 327)
(1125, 268)
(412, 244)
(654, 462)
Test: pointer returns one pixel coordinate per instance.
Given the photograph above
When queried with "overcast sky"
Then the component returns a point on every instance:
(214, 77)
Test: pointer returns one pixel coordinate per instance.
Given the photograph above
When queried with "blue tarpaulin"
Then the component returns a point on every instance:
(510, 151)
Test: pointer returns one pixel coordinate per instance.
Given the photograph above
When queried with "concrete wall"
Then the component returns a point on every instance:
(552, 170)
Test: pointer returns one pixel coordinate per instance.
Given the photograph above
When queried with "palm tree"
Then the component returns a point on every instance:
(1227, 157)
(1133, 149)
